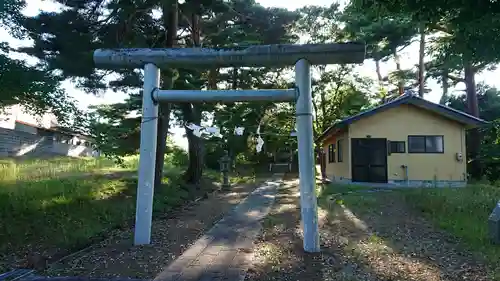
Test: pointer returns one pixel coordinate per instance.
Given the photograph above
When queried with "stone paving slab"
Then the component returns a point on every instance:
(225, 251)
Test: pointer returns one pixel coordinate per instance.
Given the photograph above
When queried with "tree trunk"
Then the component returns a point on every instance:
(192, 114)
(324, 123)
(161, 142)
(473, 109)
(421, 65)
(446, 86)
(319, 128)
(170, 23)
(398, 68)
(383, 94)
(235, 79)
(470, 83)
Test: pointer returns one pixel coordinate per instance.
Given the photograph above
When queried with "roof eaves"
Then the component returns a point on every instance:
(458, 115)
(366, 113)
(409, 99)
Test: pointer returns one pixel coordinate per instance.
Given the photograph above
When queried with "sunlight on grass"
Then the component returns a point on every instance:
(343, 194)
(64, 211)
(33, 169)
(234, 177)
(69, 213)
(325, 190)
(370, 249)
(66, 203)
(462, 211)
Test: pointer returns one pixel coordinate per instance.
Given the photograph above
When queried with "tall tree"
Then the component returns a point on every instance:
(338, 92)
(170, 14)
(459, 47)
(489, 109)
(31, 86)
(66, 40)
(386, 36)
(421, 62)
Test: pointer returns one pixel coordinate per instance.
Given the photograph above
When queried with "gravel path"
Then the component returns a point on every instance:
(381, 240)
(117, 257)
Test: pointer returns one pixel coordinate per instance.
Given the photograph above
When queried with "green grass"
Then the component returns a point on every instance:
(461, 211)
(69, 213)
(44, 204)
(341, 194)
(325, 190)
(35, 169)
(234, 178)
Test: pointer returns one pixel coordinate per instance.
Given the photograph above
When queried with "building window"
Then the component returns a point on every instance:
(425, 144)
(397, 147)
(340, 154)
(331, 153)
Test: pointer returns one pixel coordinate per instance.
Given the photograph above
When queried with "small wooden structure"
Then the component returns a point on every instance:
(282, 160)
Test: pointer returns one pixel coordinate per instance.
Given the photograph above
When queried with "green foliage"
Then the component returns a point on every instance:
(463, 44)
(176, 156)
(10, 14)
(386, 34)
(32, 86)
(320, 24)
(489, 110)
(115, 132)
(67, 46)
(383, 32)
(338, 94)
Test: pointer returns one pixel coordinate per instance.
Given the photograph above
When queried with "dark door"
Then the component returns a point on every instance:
(369, 160)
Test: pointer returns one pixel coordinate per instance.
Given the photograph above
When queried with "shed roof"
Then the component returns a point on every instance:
(417, 101)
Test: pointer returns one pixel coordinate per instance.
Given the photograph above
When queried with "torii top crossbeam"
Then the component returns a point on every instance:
(257, 56)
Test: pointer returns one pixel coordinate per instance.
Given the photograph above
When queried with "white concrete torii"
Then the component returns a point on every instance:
(302, 56)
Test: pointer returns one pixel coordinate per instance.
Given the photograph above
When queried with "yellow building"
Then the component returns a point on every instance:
(406, 142)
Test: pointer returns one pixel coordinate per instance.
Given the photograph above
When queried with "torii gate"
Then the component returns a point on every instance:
(302, 56)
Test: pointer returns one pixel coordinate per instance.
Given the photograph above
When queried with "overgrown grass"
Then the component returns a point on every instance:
(462, 211)
(35, 169)
(46, 206)
(63, 215)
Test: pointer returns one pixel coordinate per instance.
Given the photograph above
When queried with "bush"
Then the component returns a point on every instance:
(176, 156)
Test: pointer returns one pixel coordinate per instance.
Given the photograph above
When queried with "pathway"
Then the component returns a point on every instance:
(172, 233)
(225, 251)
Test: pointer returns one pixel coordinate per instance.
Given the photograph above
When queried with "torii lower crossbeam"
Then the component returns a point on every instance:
(302, 56)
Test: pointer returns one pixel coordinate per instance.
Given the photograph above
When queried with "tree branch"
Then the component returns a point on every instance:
(441, 28)
(480, 66)
(455, 78)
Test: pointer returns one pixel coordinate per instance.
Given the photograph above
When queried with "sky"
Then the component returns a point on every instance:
(409, 57)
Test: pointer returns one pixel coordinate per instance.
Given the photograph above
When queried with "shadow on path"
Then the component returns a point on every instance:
(172, 235)
(362, 241)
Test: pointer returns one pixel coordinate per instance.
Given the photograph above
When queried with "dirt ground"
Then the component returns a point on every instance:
(380, 240)
(117, 257)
